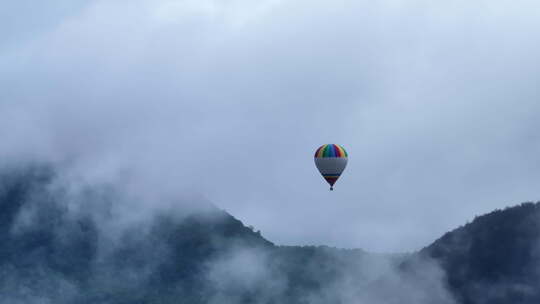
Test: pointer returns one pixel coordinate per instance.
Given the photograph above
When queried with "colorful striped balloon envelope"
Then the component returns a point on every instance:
(331, 160)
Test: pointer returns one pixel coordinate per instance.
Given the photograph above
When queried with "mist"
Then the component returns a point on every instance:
(436, 104)
(63, 244)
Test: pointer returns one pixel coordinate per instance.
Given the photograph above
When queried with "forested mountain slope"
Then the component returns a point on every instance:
(61, 246)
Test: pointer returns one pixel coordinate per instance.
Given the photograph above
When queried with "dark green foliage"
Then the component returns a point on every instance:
(46, 237)
(49, 252)
(46, 248)
(494, 259)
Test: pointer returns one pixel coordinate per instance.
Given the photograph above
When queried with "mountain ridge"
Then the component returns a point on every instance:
(50, 252)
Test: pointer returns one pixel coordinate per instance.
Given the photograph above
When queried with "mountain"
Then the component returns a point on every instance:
(494, 259)
(58, 245)
(62, 248)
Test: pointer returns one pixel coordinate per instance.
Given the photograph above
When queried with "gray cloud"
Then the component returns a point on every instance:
(369, 279)
(435, 102)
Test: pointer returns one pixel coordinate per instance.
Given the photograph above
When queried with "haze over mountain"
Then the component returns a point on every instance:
(65, 244)
(435, 101)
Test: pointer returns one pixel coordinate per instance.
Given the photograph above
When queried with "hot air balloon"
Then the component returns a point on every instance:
(331, 160)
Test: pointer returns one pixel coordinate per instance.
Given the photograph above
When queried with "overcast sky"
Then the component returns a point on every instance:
(437, 103)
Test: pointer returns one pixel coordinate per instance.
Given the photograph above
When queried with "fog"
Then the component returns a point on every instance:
(226, 101)
(65, 244)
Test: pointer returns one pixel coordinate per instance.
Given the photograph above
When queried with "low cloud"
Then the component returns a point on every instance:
(59, 254)
(435, 103)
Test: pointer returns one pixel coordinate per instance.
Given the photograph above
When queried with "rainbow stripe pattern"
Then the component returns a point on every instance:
(330, 150)
(331, 160)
